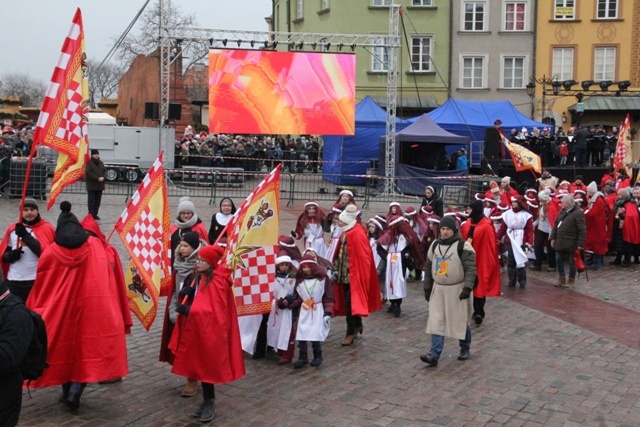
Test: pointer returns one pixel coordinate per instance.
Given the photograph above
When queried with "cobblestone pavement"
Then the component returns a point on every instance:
(543, 357)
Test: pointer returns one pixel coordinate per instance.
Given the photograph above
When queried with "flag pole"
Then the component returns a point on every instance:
(26, 178)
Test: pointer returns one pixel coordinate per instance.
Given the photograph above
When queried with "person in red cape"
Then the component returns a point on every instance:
(76, 295)
(21, 246)
(206, 341)
(631, 224)
(480, 232)
(89, 224)
(596, 217)
(356, 289)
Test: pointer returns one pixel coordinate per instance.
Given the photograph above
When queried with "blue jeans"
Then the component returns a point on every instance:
(561, 256)
(437, 343)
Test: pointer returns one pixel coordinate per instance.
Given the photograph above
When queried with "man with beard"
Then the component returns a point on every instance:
(21, 248)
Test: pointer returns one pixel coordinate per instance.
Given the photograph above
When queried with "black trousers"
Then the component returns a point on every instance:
(208, 391)
(20, 288)
(353, 322)
(478, 307)
(94, 198)
(541, 242)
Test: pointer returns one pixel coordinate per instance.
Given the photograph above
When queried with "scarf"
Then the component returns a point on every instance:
(187, 224)
(184, 266)
(32, 222)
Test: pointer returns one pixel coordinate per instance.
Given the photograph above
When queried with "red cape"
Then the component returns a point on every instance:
(77, 299)
(207, 342)
(610, 199)
(631, 225)
(90, 224)
(487, 261)
(597, 235)
(553, 209)
(44, 232)
(198, 228)
(365, 290)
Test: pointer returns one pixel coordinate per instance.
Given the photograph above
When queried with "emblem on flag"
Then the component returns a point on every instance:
(523, 158)
(623, 157)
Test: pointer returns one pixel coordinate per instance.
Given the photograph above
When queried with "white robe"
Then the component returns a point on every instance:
(516, 221)
(314, 239)
(280, 320)
(336, 232)
(311, 326)
(373, 242)
(396, 280)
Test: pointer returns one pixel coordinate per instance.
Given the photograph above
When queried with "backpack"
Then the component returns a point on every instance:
(35, 360)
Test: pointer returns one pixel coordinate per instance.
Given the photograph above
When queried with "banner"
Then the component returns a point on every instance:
(623, 157)
(144, 230)
(252, 239)
(523, 158)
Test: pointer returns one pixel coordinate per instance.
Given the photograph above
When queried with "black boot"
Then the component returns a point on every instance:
(317, 358)
(512, 274)
(303, 359)
(522, 276)
(392, 307)
(397, 311)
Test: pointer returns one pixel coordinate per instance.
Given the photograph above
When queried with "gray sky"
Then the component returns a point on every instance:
(33, 30)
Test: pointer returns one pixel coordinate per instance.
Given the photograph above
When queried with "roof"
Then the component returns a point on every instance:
(610, 103)
(424, 129)
(368, 111)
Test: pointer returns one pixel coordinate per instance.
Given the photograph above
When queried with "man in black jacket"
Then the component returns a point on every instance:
(94, 177)
(16, 329)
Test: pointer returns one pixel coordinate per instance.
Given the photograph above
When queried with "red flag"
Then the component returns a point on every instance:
(252, 238)
(622, 158)
(523, 159)
(144, 230)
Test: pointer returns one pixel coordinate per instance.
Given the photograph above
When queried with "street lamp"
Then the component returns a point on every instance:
(544, 81)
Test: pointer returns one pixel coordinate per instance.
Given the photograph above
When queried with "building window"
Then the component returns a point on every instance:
(562, 63)
(380, 56)
(565, 9)
(474, 16)
(515, 16)
(299, 9)
(422, 3)
(421, 53)
(473, 73)
(607, 9)
(382, 2)
(513, 72)
(324, 5)
(604, 63)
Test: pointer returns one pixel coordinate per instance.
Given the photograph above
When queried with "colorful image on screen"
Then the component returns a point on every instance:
(269, 92)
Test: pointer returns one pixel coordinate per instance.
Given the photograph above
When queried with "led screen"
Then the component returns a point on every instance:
(269, 92)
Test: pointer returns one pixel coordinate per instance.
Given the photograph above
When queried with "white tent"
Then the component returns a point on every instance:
(101, 119)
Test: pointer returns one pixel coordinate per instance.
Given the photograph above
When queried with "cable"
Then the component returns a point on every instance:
(415, 81)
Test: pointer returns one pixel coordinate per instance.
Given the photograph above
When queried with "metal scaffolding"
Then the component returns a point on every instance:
(215, 38)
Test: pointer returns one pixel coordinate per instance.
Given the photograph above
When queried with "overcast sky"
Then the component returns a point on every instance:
(33, 31)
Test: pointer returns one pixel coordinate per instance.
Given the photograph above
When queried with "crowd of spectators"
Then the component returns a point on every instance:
(249, 152)
(15, 143)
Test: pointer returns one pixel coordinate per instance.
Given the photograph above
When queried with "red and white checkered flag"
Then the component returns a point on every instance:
(144, 230)
(622, 158)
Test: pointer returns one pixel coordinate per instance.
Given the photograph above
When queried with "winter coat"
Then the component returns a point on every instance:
(95, 169)
(570, 230)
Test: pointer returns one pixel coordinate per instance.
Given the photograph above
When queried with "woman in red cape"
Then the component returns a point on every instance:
(78, 300)
(597, 241)
(481, 233)
(206, 340)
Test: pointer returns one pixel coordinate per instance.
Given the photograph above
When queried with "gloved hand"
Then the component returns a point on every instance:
(465, 294)
(427, 292)
(187, 291)
(20, 230)
(335, 276)
(282, 303)
(290, 299)
(15, 255)
(294, 235)
(183, 309)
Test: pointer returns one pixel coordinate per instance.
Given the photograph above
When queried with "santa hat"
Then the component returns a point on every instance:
(337, 208)
(490, 201)
(479, 196)
(550, 189)
(427, 210)
(396, 220)
(503, 206)
(347, 192)
(579, 191)
(211, 254)
(375, 222)
(282, 258)
(382, 219)
(186, 205)
(410, 211)
(286, 241)
(394, 204)
(592, 187)
(561, 192)
(308, 259)
(434, 218)
(349, 215)
(310, 203)
(564, 182)
(222, 242)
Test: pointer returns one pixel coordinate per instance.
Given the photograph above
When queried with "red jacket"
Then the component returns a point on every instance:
(597, 233)
(487, 261)
(43, 231)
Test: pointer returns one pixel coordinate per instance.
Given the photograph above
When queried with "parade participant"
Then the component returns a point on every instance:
(206, 341)
(577, 185)
(334, 229)
(309, 228)
(355, 286)
(281, 326)
(596, 222)
(314, 298)
(493, 193)
(416, 222)
(288, 245)
(449, 278)
(531, 198)
(619, 244)
(431, 198)
(94, 177)
(581, 198)
(479, 231)
(623, 180)
(21, 247)
(547, 214)
(187, 220)
(16, 329)
(506, 191)
(395, 210)
(374, 232)
(220, 219)
(567, 236)
(400, 246)
(517, 228)
(78, 301)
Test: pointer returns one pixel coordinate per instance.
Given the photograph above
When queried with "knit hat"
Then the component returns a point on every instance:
(30, 202)
(94, 151)
(349, 215)
(192, 239)
(494, 187)
(211, 254)
(449, 222)
(66, 216)
(69, 233)
(592, 187)
(544, 196)
(507, 179)
(186, 205)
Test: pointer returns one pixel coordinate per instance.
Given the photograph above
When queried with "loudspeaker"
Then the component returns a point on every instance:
(492, 143)
(151, 110)
(175, 111)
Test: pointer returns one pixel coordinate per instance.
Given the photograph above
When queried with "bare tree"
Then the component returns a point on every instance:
(103, 81)
(30, 91)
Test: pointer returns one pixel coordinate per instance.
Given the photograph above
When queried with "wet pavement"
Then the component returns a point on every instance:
(543, 357)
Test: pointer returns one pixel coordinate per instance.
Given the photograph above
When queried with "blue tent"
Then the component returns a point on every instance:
(351, 155)
(471, 118)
